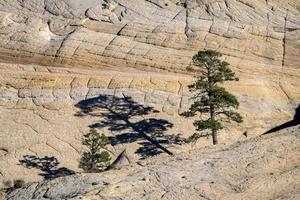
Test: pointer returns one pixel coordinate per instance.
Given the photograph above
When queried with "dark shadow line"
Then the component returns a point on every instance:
(294, 122)
(283, 126)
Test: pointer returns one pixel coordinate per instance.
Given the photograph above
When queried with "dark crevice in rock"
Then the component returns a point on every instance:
(155, 3)
(284, 39)
(283, 54)
(109, 44)
(187, 28)
(283, 90)
(62, 43)
(3, 150)
(132, 10)
(226, 4)
(119, 32)
(246, 4)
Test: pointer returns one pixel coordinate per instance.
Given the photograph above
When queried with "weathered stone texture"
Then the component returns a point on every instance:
(56, 53)
(260, 168)
(146, 34)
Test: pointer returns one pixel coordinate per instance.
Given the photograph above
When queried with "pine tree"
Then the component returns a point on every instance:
(209, 98)
(97, 158)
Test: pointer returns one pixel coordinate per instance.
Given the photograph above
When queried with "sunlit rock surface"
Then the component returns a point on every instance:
(259, 168)
(56, 54)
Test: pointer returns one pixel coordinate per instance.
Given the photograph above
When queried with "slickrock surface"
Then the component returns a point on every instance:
(260, 168)
(61, 57)
(158, 34)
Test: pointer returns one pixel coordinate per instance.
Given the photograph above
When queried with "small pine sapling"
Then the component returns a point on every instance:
(97, 158)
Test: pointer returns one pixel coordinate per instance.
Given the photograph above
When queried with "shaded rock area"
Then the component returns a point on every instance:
(265, 167)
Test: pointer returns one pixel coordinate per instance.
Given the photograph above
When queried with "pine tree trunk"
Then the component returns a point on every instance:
(215, 137)
(212, 110)
(214, 132)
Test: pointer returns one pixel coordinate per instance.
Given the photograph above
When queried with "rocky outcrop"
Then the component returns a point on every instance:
(259, 39)
(55, 88)
(153, 34)
(58, 54)
(266, 168)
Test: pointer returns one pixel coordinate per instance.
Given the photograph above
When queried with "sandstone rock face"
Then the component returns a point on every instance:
(156, 34)
(58, 57)
(260, 168)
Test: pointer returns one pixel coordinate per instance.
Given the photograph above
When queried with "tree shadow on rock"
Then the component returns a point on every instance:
(293, 122)
(48, 166)
(126, 116)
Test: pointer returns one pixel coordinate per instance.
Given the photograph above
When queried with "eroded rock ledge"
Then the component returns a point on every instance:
(161, 34)
(266, 168)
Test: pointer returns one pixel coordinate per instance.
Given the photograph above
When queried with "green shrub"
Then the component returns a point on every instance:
(97, 158)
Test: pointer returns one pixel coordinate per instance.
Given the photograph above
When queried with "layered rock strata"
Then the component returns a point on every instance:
(58, 53)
